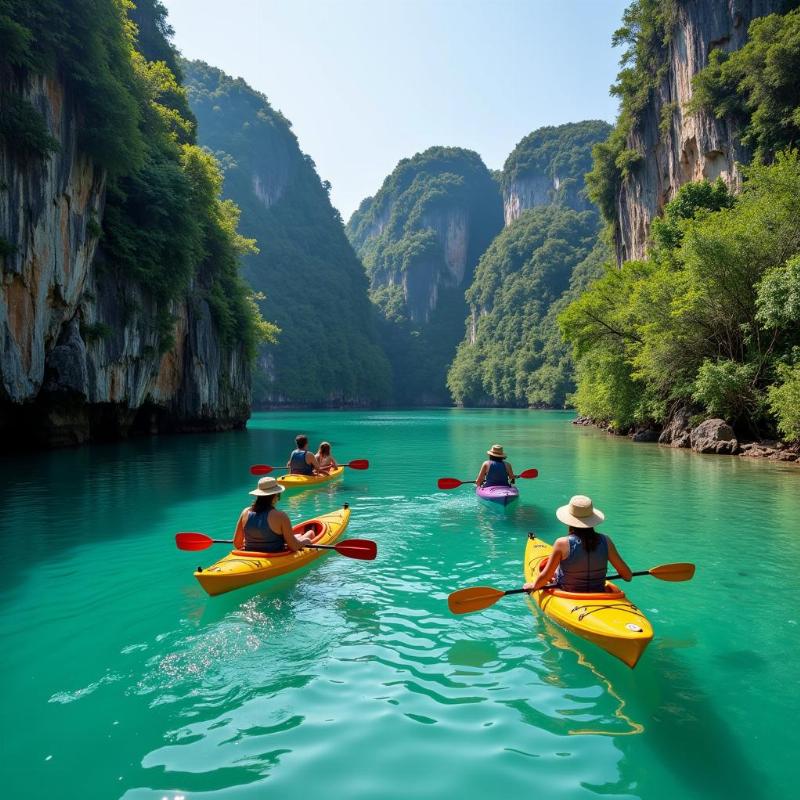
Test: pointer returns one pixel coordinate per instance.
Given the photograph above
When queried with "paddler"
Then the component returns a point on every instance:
(261, 527)
(302, 461)
(496, 471)
(579, 560)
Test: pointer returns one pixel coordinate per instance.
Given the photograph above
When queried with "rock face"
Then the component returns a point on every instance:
(677, 432)
(547, 167)
(80, 354)
(679, 147)
(714, 436)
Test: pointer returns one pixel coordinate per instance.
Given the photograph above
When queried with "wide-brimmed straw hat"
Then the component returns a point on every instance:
(580, 513)
(266, 487)
(496, 450)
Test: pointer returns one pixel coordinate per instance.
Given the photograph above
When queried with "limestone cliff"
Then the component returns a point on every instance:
(420, 238)
(547, 167)
(81, 354)
(673, 145)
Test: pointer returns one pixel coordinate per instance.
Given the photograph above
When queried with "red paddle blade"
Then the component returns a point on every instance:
(362, 549)
(260, 469)
(449, 483)
(193, 541)
(529, 473)
(359, 463)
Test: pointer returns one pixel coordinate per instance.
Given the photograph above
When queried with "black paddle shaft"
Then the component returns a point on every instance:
(553, 585)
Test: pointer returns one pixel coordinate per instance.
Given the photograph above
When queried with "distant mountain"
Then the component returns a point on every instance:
(314, 285)
(420, 238)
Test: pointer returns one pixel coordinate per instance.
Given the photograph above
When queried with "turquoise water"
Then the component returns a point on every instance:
(122, 679)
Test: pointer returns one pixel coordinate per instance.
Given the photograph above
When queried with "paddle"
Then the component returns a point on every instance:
(476, 598)
(265, 469)
(363, 549)
(454, 483)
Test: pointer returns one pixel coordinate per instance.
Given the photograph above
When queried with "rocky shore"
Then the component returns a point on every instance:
(711, 436)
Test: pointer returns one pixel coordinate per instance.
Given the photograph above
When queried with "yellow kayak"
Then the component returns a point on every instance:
(304, 481)
(243, 567)
(607, 618)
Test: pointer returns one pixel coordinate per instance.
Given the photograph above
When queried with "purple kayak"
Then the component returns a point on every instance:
(498, 495)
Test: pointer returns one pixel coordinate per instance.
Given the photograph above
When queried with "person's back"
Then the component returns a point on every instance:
(259, 534)
(301, 461)
(586, 566)
(496, 474)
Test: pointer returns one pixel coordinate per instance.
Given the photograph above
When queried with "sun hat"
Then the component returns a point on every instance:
(580, 513)
(266, 487)
(496, 450)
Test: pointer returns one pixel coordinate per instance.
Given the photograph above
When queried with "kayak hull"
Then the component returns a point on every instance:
(498, 495)
(306, 481)
(243, 568)
(607, 619)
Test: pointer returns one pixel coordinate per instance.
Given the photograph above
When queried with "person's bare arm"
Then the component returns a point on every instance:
(312, 459)
(285, 528)
(510, 472)
(617, 561)
(238, 536)
(482, 474)
(560, 549)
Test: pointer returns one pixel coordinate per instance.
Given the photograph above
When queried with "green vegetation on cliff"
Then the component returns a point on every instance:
(563, 152)
(420, 238)
(513, 354)
(758, 86)
(710, 320)
(164, 223)
(644, 33)
(312, 283)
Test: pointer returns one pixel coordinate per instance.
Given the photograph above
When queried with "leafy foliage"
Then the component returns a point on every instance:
(164, 224)
(563, 152)
(513, 354)
(708, 319)
(401, 235)
(757, 85)
(310, 280)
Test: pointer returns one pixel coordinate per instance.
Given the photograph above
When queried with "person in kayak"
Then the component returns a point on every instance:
(264, 529)
(496, 471)
(302, 461)
(326, 463)
(579, 560)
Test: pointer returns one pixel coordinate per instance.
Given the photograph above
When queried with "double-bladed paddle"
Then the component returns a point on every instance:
(454, 483)
(362, 549)
(477, 598)
(265, 469)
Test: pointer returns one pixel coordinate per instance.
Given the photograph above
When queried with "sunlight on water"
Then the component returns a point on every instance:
(352, 679)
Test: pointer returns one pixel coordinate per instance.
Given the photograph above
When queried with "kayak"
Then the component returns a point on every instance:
(608, 619)
(498, 495)
(304, 481)
(244, 567)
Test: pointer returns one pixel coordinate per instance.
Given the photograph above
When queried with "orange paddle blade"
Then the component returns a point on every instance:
(193, 541)
(673, 572)
(261, 469)
(529, 473)
(475, 598)
(359, 463)
(449, 483)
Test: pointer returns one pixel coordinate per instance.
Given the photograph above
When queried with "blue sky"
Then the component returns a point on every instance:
(368, 83)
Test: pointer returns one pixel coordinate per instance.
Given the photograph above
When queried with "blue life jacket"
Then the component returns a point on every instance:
(259, 536)
(582, 571)
(298, 464)
(497, 475)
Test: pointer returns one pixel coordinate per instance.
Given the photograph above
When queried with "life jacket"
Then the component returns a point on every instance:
(582, 571)
(298, 464)
(497, 475)
(259, 536)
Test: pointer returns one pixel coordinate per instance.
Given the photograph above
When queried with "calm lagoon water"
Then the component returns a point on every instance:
(122, 679)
